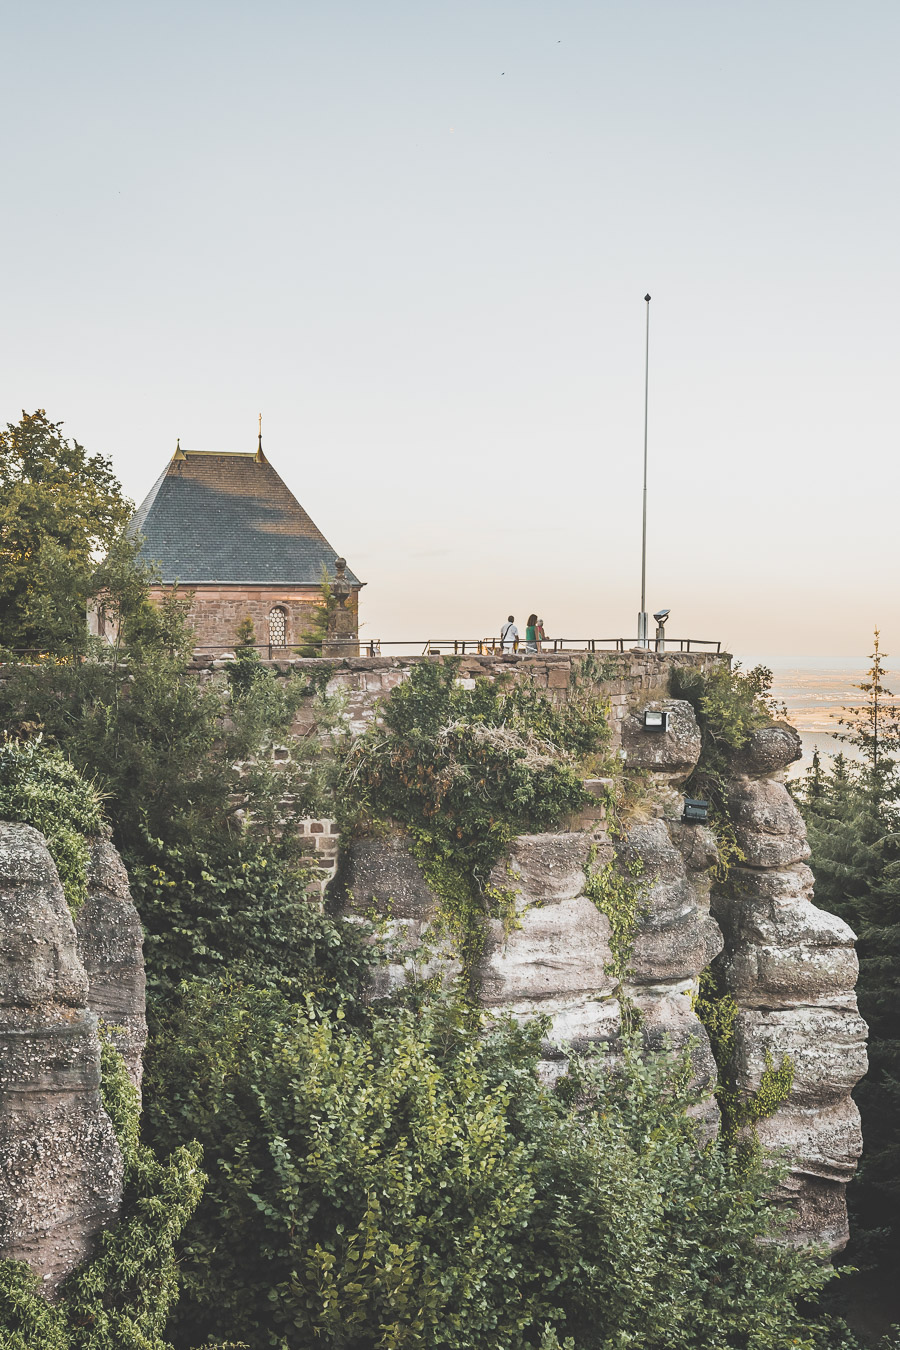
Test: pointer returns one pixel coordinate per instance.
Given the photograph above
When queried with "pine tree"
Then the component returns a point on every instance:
(853, 820)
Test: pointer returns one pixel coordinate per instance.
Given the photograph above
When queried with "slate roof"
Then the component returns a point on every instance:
(230, 518)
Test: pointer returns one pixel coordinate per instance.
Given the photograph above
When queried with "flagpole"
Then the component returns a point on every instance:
(642, 617)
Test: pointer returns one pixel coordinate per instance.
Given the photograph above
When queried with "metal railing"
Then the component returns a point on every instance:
(491, 646)
(494, 646)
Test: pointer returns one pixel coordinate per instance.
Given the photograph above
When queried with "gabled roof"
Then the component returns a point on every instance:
(230, 518)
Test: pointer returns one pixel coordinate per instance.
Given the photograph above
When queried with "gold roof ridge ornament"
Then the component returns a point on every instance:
(179, 453)
(260, 457)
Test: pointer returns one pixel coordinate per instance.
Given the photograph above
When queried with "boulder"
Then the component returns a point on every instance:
(696, 844)
(668, 1021)
(556, 950)
(817, 1211)
(675, 936)
(826, 1045)
(381, 874)
(543, 869)
(783, 950)
(413, 953)
(768, 826)
(673, 752)
(824, 1141)
(769, 751)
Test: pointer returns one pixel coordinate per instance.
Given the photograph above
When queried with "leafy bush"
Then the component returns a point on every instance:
(410, 1184)
(240, 909)
(730, 705)
(465, 770)
(469, 768)
(39, 786)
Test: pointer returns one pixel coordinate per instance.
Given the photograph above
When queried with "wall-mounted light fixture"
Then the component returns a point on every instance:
(655, 720)
(696, 811)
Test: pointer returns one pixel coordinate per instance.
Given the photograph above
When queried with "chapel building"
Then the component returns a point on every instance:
(227, 529)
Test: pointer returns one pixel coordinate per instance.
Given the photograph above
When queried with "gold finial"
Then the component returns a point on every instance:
(259, 450)
(179, 453)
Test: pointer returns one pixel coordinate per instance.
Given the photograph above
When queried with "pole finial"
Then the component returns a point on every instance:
(647, 298)
(259, 450)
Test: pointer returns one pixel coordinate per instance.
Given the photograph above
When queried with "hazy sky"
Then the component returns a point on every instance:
(417, 235)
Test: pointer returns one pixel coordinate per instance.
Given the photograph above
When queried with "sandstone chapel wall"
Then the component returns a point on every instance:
(216, 610)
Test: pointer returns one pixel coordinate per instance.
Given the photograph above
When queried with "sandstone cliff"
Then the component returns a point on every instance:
(60, 1164)
(790, 967)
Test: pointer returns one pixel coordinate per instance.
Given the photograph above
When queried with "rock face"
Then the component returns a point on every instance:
(60, 1164)
(792, 968)
(380, 879)
(111, 948)
(552, 955)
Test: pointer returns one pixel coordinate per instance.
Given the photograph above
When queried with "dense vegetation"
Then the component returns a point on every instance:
(466, 768)
(408, 1183)
(852, 810)
(375, 1177)
(730, 704)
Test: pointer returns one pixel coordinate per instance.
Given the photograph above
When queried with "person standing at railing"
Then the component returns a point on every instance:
(531, 634)
(509, 635)
(539, 634)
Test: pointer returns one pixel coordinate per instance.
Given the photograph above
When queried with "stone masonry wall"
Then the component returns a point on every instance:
(625, 677)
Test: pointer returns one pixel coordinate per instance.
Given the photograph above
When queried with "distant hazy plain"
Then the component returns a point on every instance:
(815, 689)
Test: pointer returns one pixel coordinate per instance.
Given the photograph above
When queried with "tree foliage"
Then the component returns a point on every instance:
(468, 767)
(852, 812)
(40, 787)
(409, 1183)
(321, 619)
(59, 506)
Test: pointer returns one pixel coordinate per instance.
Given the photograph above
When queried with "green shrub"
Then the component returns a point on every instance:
(410, 1184)
(717, 1010)
(465, 770)
(470, 768)
(730, 705)
(40, 787)
(616, 893)
(240, 909)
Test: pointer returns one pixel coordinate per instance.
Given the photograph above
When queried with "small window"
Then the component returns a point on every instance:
(278, 627)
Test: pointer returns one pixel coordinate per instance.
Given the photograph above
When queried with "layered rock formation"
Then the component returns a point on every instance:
(551, 955)
(60, 1165)
(790, 966)
(792, 969)
(111, 948)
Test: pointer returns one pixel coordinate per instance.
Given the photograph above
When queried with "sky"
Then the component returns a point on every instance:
(417, 236)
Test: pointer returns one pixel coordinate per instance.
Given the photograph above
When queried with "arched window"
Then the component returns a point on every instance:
(278, 627)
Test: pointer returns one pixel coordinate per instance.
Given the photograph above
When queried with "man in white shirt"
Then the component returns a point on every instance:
(509, 635)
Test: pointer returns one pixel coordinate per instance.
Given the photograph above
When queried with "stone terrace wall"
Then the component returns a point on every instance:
(625, 677)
